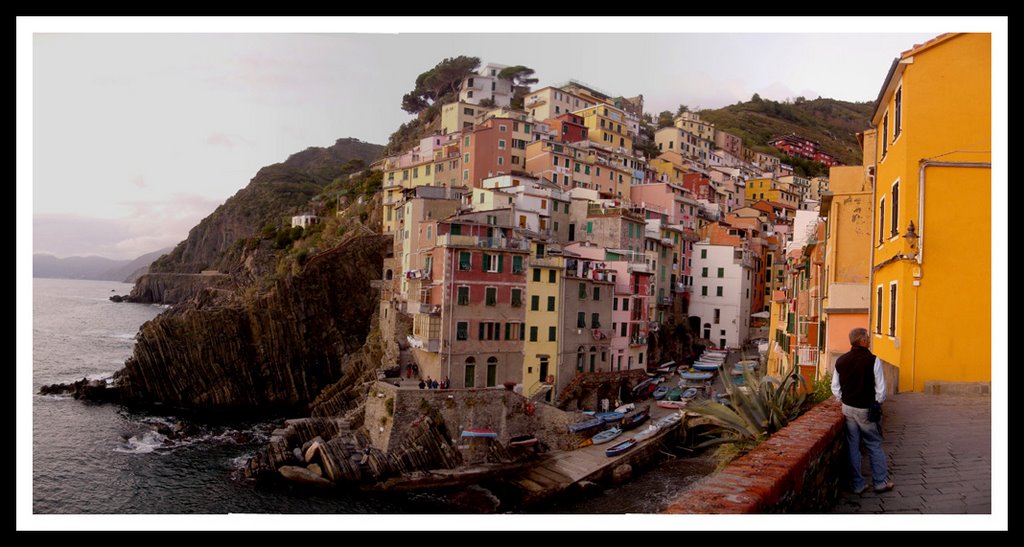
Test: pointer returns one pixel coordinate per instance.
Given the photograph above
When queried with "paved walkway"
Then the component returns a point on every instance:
(940, 457)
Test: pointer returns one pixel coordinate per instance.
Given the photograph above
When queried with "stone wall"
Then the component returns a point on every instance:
(797, 470)
(498, 409)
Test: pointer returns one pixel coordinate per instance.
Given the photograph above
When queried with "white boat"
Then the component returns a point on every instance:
(625, 408)
(606, 435)
(647, 432)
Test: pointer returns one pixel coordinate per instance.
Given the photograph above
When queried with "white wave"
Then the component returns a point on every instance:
(144, 444)
(56, 396)
(123, 336)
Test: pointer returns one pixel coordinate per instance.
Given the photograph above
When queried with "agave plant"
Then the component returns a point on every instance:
(755, 410)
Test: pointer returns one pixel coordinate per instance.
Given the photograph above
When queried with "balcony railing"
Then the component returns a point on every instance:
(546, 262)
(807, 355)
(678, 287)
(664, 301)
(485, 242)
(638, 341)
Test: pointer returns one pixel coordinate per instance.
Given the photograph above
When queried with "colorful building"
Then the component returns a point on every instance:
(486, 84)
(607, 126)
(931, 258)
(551, 102)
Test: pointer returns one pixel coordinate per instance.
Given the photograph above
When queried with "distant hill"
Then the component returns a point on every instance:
(92, 267)
(833, 124)
(132, 270)
(276, 192)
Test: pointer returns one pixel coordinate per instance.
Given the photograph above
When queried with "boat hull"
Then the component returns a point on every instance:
(620, 448)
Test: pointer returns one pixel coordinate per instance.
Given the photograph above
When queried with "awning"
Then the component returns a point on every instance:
(761, 315)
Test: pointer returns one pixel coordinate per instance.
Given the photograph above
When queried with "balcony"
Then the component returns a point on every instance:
(664, 301)
(679, 288)
(638, 341)
(546, 262)
(449, 240)
(426, 309)
(431, 345)
(807, 355)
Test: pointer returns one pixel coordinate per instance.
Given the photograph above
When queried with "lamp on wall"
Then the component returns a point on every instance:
(911, 237)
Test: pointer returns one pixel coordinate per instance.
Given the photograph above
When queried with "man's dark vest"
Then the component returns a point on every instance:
(857, 377)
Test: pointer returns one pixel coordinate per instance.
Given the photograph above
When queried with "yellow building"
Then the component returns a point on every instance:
(607, 125)
(460, 116)
(543, 309)
(930, 313)
(769, 190)
(847, 253)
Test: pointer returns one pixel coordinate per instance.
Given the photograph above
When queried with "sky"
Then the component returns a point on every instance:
(138, 136)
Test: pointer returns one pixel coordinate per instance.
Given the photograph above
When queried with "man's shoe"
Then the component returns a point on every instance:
(860, 490)
(884, 488)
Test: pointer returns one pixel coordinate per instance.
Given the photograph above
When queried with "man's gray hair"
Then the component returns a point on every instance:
(858, 334)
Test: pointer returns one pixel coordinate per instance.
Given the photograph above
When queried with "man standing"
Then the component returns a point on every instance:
(858, 382)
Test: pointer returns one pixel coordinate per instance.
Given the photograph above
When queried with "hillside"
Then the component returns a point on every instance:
(92, 267)
(833, 124)
(274, 194)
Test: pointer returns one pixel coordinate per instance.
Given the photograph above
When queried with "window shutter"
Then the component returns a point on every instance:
(501, 263)
(487, 262)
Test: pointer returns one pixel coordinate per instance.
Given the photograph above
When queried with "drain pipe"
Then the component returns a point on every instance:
(925, 164)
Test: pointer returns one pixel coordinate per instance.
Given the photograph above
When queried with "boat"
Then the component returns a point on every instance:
(606, 435)
(629, 422)
(696, 376)
(609, 417)
(523, 441)
(620, 448)
(667, 366)
(474, 432)
(625, 408)
(668, 420)
(660, 393)
(665, 403)
(647, 432)
(689, 393)
(583, 426)
(706, 367)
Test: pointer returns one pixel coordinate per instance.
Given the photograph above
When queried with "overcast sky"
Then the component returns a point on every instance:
(139, 136)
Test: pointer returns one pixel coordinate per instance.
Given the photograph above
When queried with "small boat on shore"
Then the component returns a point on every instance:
(620, 448)
(673, 394)
(660, 393)
(609, 417)
(630, 422)
(667, 366)
(625, 408)
(647, 432)
(584, 426)
(606, 435)
(668, 420)
(706, 367)
(523, 441)
(689, 393)
(696, 376)
(665, 403)
(476, 432)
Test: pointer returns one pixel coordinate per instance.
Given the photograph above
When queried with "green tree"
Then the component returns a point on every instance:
(521, 78)
(439, 83)
(682, 108)
(665, 119)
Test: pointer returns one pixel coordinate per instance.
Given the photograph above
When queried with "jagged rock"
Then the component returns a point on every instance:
(117, 298)
(315, 468)
(91, 390)
(622, 473)
(311, 452)
(302, 475)
(175, 288)
(271, 352)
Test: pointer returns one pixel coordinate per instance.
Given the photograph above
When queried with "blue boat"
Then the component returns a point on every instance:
(609, 417)
(689, 393)
(696, 376)
(705, 366)
(479, 433)
(606, 435)
(660, 393)
(629, 422)
(583, 426)
(620, 448)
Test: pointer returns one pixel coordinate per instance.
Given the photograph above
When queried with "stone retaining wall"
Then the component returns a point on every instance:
(797, 470)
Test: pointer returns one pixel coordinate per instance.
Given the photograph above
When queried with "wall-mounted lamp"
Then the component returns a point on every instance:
(911, 237)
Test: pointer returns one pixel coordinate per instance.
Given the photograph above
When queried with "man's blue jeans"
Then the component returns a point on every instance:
(859, 428)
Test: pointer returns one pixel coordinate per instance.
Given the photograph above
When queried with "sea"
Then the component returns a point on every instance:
(90, 458)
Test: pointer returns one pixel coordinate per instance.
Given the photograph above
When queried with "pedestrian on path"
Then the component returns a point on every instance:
(858, 382)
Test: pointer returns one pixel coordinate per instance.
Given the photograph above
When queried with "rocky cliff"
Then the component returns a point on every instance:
(276, 192)
(175, 288)
(275, 351)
